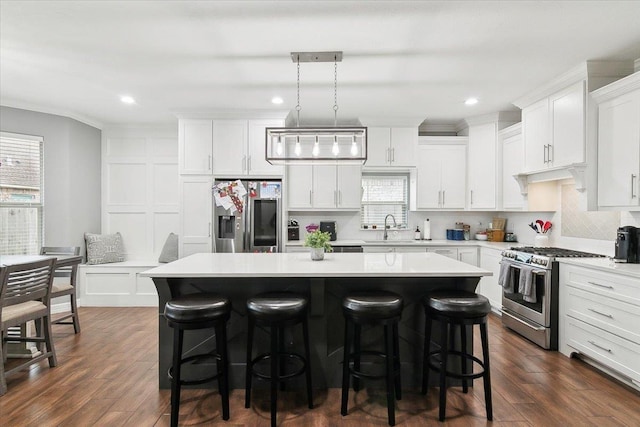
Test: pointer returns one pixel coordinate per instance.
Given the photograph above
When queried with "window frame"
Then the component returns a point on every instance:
(39, 206)
(403, 222)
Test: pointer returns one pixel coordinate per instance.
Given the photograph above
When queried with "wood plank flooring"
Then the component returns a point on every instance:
(107, 376)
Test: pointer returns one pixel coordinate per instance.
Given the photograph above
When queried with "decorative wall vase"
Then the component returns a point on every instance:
(317, 254)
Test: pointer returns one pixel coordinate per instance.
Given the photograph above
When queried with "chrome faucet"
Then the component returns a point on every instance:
(385, 235)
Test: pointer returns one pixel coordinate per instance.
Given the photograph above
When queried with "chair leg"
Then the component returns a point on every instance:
(223, 368)
(48, 340)
(282, 359)
(307, 356)
(425, 355)
(396, 362)
(357, 334)
(444, 355)
(390, 359)
(3, 381)
(346, 376)
(178, 335)
(274, 375)
(249, 368)
(487, 370)
(463, 360)
(74, 312)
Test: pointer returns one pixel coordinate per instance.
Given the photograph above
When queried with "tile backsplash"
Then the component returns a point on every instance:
(585, 225)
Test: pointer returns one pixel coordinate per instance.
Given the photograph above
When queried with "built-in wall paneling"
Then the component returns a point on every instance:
(140, 188)
(118, 284)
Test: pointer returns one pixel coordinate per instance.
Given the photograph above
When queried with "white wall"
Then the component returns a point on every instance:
(140, 187)
(71, 173)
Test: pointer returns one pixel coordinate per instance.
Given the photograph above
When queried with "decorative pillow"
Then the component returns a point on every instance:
(104, 248)
(170, 249)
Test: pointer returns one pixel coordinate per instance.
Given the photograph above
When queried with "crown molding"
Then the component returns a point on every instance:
(385, 121)
(436, 128)
(616, 69)
(617, 88)
(232, 114)
(52, 110)
(508, 132)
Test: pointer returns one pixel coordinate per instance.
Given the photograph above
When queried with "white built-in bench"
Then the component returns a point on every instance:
(116, 284)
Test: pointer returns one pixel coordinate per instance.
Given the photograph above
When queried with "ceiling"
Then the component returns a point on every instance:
(410, 61)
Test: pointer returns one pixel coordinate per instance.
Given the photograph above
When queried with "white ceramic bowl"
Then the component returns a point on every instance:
(481, 237)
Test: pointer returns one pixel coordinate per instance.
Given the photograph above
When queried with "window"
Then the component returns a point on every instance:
(21, 201)
(384, 194)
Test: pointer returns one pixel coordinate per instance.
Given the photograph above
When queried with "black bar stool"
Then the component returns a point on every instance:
(378, 308)
(276, 311)
(456, 308)
(199, 312)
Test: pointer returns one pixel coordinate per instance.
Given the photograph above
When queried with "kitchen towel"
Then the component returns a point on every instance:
(527, 283)
(504, 278)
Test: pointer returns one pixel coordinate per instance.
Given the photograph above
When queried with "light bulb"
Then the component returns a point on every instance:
(316, 148)
(335, 150)
(354, 147)
(279, 147)
(297, 149)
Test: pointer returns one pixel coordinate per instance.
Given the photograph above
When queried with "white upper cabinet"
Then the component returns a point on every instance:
(256, 163)
(535, 131)
(391, 146)
(512, 164)
(619, 144)
(441, 173)
(230, 148)
(195, 144)
(482, 166)
(326, 187)
(553, 129)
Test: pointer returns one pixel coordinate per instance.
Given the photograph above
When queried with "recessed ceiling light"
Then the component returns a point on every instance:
(127, 99)
(277, 100)
(471, 101)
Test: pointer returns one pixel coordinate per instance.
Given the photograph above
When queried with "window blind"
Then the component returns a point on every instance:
(384, 194)
(21, 207)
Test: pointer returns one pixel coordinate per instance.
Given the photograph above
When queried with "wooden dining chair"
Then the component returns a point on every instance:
(64, 283)
(25, 295)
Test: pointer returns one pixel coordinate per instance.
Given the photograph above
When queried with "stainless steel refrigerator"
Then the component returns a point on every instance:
(247, 215)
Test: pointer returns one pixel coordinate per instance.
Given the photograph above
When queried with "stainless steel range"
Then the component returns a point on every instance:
(529, 278)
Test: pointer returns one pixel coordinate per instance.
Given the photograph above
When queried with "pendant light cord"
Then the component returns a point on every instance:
(335, 91)
(298, 108)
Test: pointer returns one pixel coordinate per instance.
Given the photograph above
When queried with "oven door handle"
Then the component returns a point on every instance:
(527, 324)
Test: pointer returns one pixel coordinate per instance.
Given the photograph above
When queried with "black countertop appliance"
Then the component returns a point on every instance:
(627, 245)
(329, 227)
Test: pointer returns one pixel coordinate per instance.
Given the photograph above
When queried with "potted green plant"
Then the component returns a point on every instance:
(318, 241)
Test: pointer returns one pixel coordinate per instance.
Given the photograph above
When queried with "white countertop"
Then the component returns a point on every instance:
(300, 265)
(605, 264)
(418, 243)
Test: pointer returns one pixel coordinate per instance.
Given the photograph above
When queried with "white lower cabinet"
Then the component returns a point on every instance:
(599, 317)
(460, 253)
(490, 260)
(395, 249)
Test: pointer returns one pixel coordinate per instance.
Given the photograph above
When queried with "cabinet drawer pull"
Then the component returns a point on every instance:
(544, 153)
(550, 154)
(633, 182)
(471, 197)
(244, 163)
(310, 197)
(387, 156)
(600, 313)
(209, 229)
(393, 155)
(599, 285)
(443, 198)
(608, 350)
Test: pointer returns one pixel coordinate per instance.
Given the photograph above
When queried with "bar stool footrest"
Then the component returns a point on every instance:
(198, 358)
(471, 376)
(267, 356)
(361, 374)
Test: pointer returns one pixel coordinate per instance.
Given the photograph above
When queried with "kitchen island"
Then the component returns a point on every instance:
(240, 276)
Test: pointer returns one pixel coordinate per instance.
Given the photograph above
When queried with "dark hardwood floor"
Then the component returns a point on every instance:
(107, 376)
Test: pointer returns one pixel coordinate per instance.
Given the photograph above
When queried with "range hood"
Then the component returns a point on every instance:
(577, 171)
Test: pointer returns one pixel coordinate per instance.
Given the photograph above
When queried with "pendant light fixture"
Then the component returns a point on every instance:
(337, 145)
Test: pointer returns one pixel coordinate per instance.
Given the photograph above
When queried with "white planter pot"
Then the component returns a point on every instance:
(542, 241)
(317, 254)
